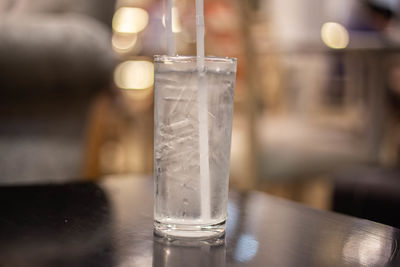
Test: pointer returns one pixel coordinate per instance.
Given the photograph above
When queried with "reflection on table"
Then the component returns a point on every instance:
(110, 224)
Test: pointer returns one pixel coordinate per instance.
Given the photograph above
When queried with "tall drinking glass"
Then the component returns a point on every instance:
(188, 203)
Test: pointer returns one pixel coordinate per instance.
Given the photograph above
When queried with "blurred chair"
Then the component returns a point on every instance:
(368, 192)
(55, 58)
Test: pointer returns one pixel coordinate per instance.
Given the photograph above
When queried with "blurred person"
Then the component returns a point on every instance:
(377, 16)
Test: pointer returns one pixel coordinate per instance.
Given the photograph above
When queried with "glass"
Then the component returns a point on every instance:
(180, 196)
(185, 253)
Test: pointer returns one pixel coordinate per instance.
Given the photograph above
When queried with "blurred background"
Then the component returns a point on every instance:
(317, 101)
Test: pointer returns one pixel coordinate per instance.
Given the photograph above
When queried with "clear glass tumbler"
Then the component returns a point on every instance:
(186, 202)
(193, 253)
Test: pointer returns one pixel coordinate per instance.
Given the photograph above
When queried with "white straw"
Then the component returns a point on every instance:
(168, 25)
(200, 34)
(203, 116)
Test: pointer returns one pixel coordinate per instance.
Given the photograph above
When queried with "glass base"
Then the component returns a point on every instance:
(189, 231)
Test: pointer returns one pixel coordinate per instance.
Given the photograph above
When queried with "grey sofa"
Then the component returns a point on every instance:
(55, 58)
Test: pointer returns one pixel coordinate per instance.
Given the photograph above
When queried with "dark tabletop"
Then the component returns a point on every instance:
(110, 224)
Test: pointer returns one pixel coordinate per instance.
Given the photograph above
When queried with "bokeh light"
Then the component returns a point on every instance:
(334, 35)
(130, 20)
(123, 42)
(246, 249)
(366, 250)
(139, 3)
(134, 74)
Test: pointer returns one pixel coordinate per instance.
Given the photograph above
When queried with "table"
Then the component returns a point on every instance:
(109, 223)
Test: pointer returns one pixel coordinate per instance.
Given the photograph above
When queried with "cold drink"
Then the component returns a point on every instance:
(179, 194)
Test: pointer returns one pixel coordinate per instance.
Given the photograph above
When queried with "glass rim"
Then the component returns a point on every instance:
(191, 59)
